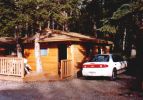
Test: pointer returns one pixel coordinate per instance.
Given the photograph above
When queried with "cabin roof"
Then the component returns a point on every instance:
(7, 40)
(60, 36)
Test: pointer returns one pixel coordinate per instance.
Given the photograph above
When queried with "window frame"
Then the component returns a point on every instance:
(44, 52)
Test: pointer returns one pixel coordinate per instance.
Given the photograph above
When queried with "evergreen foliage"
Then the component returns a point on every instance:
(28, 16)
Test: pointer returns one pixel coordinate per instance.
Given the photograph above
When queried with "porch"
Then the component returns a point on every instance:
(65, 72)
(12, 68)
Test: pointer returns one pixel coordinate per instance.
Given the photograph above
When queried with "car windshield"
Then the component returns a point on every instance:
(100, 58)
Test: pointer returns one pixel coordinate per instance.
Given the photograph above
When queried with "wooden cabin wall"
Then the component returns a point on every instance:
(29, 55)
(78, 56)
(69, 53)
(107, 49)
(49, 61)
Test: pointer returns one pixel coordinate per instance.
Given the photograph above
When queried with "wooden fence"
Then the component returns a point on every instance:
(66, 68)
(12, 66)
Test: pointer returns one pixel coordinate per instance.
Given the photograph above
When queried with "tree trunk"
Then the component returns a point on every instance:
(19, 51)
(48, 26)
(124, 39)
(53, 25)
(37, 54)
(18, 47)
(94, 29)
(63, 27)
(139, 59)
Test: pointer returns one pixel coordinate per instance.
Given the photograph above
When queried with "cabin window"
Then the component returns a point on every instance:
(44, 52)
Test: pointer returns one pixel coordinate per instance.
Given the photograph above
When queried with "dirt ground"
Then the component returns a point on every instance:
(72, 89)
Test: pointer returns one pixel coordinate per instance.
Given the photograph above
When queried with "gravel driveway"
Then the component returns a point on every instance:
(73, 89)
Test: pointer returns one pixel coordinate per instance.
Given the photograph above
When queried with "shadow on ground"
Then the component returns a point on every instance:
(22, 94)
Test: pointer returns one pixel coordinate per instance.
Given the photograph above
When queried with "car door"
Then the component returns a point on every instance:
(121, 60)
(117, 62)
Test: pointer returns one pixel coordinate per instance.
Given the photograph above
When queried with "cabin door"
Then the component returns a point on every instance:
(62, 54)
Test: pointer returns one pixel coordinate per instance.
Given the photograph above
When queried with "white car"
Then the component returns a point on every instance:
(104, 65)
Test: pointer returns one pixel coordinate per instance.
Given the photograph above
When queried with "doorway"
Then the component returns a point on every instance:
(62, 54)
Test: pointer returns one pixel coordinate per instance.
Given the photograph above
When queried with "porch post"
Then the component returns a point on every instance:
(72, 56)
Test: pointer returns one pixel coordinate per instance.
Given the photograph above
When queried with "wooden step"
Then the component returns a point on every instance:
(44, 76)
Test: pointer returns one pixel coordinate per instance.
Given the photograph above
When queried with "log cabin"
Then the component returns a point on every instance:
(7, 46)
(11, 67)
(58, 46)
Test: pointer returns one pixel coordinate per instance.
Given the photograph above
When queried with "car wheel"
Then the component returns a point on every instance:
(114, 74)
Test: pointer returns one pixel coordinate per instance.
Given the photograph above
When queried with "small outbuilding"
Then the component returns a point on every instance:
(7, 46)
(58, 49)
